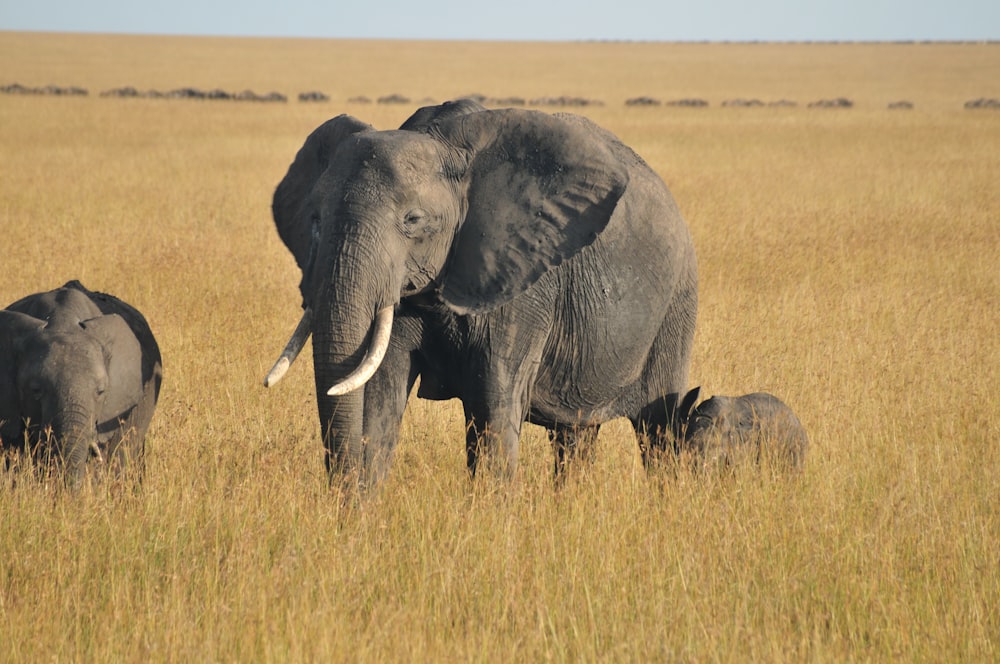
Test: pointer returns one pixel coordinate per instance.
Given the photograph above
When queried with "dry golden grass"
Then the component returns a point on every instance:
(848, 263)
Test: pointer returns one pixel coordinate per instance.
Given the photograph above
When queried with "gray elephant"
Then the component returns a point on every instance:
(80, 373)
(528, 264)
(723, 431)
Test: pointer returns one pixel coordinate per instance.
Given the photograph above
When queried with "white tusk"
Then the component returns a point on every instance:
(373, 358)
(292, 349)
(97, 452)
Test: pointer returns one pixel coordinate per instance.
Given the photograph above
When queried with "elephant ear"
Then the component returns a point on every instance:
(291, 199)
(14, 328)
(109, 304)
(679, 408)
(688, 402)
(123, 358)
(684, 411)
(540, 189)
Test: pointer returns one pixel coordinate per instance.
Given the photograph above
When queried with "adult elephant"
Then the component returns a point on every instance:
(80, 374)
(528, 264)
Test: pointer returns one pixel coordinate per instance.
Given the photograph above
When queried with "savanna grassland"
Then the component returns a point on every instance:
(848, 261)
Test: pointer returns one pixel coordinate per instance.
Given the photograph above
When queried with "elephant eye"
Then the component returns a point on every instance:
(414, 217)
(418, 224)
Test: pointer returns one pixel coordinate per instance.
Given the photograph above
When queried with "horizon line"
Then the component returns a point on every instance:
(578, 40)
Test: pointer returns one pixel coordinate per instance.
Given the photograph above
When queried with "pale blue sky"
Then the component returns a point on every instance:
(667, 20)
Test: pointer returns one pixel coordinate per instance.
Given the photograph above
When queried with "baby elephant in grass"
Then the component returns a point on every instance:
(725, 431)
(80, 374)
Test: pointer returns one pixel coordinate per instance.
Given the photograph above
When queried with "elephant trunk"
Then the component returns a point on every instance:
(342, 354)
(75, 433)
(353, 292)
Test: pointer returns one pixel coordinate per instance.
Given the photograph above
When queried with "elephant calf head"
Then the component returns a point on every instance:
(71, 378)
(723, 430)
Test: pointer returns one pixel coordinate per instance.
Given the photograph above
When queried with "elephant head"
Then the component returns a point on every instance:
(468, 205)
(724, 429)
(66, 379)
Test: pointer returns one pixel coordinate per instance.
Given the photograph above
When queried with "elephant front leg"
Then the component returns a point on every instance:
(492, 441)
(498, 380)
(493, 419)
(386, 395)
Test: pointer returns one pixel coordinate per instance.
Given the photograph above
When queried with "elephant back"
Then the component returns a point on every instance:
(66, 305)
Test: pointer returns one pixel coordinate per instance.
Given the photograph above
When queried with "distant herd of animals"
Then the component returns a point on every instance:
(127, 92)
(528, 264)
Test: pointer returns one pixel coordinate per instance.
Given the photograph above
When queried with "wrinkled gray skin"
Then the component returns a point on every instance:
(80, 373)
(538, 270)
(723, 431)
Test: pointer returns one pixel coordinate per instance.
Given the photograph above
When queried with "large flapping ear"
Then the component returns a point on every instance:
(14, 328)
(292, 195)
(109, 304)
(540, 189)
(123, 358)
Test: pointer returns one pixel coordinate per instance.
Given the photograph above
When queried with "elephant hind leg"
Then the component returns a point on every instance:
(658, 429)
(665, 379)
(572, 442)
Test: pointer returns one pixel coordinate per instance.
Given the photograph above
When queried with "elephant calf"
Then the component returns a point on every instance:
(724, 431)
(80, 374)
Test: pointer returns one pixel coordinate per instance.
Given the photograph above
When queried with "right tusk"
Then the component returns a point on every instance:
(373, 358)
(292, 349)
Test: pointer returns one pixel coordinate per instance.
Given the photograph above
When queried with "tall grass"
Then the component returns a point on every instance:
(847, 263)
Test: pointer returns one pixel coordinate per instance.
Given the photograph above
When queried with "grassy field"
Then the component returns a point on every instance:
(848, 263)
